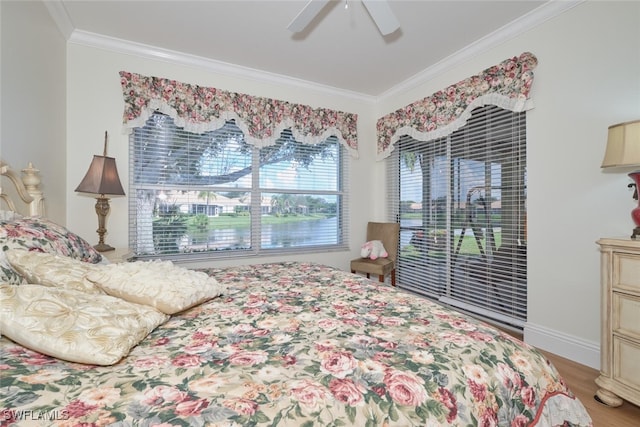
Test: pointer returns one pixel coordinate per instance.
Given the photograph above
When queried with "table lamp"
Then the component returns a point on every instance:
(102, 178)
(623, 150)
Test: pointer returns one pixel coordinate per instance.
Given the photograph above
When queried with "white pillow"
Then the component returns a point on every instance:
(160, 284)
(73, 325)
(48, 269)
(9, 215)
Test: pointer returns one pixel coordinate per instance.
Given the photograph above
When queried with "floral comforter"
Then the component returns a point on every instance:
(298, 344)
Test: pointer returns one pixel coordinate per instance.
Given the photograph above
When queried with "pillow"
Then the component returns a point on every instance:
(9, 215)
(160, 284)
(46, 269)
(41, 235)
(72, 325)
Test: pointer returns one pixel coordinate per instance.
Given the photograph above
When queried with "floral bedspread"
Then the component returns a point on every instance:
(298, 344)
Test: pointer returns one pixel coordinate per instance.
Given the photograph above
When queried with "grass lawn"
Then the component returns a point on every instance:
(468, 246)
(240, 221)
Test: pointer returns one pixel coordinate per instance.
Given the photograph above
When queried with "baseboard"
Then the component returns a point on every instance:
(567, 346)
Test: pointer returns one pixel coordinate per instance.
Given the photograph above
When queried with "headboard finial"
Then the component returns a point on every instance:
(27, 187)
(31, 178)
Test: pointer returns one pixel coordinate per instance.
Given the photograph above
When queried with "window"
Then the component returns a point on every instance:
(213, 194)
(461, 204)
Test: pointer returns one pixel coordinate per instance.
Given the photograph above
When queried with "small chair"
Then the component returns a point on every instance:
(388, 233)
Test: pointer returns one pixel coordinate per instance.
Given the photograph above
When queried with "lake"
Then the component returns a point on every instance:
(314, 232)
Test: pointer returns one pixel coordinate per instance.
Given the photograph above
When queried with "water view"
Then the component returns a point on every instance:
(286, 234)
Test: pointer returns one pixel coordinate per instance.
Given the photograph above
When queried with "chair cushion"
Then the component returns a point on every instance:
(379, 266)
(387, 233)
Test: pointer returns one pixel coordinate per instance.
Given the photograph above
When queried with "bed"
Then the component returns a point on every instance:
(279, 344)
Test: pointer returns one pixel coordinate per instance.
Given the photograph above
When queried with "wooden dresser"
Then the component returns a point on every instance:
(620, 316)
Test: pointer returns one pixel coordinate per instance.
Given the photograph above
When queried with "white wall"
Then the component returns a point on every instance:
(588, 78)
(95, 104)
(32, 84)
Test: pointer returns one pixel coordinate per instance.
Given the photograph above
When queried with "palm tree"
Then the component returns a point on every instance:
(282, 203)
(208, 196)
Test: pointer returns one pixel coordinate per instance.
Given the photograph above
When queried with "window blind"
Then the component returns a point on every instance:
(213, 194)
(461, 204)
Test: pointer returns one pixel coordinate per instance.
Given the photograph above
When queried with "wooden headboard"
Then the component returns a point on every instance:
(27, 188)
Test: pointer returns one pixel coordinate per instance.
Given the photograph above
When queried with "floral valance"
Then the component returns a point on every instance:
(506, 85)
(199, 109)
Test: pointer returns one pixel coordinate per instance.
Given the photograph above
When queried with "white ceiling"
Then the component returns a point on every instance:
(341, 48)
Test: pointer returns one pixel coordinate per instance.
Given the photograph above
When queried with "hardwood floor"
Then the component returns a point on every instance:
(580, 379)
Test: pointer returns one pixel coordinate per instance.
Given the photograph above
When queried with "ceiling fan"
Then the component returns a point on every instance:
(379, 10)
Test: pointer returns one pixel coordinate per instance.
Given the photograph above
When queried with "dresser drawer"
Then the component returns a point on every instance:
(626, 315)
(620, 310)
(626, 362)
(626, 271)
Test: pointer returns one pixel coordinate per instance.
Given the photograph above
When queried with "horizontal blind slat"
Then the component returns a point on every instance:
(461, 203)
(213, 192)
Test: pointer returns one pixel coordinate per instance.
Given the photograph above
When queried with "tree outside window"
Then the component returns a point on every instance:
(214, 193)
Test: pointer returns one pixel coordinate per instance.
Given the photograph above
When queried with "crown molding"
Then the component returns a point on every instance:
(519, 26)
(65, 25)
(60, 17)
(151, 52)
(534, 18)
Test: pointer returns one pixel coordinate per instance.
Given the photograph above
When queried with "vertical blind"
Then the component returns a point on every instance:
(214, 194)
(461, 204)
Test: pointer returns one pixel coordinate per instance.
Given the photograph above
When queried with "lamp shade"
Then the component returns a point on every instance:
(102, 177)
(623, 145)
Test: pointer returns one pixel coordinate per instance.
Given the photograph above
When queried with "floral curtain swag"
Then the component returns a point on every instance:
(506, 85)
(199, 109)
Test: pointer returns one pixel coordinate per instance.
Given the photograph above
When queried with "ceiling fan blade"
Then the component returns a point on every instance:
(306, 15)
(382, 15)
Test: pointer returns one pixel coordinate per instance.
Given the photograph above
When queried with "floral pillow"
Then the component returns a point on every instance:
(73, 325)
(41, 235)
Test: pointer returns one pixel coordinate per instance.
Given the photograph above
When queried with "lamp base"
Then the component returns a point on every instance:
(103, 247)
(635, 213)
(102, 209)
